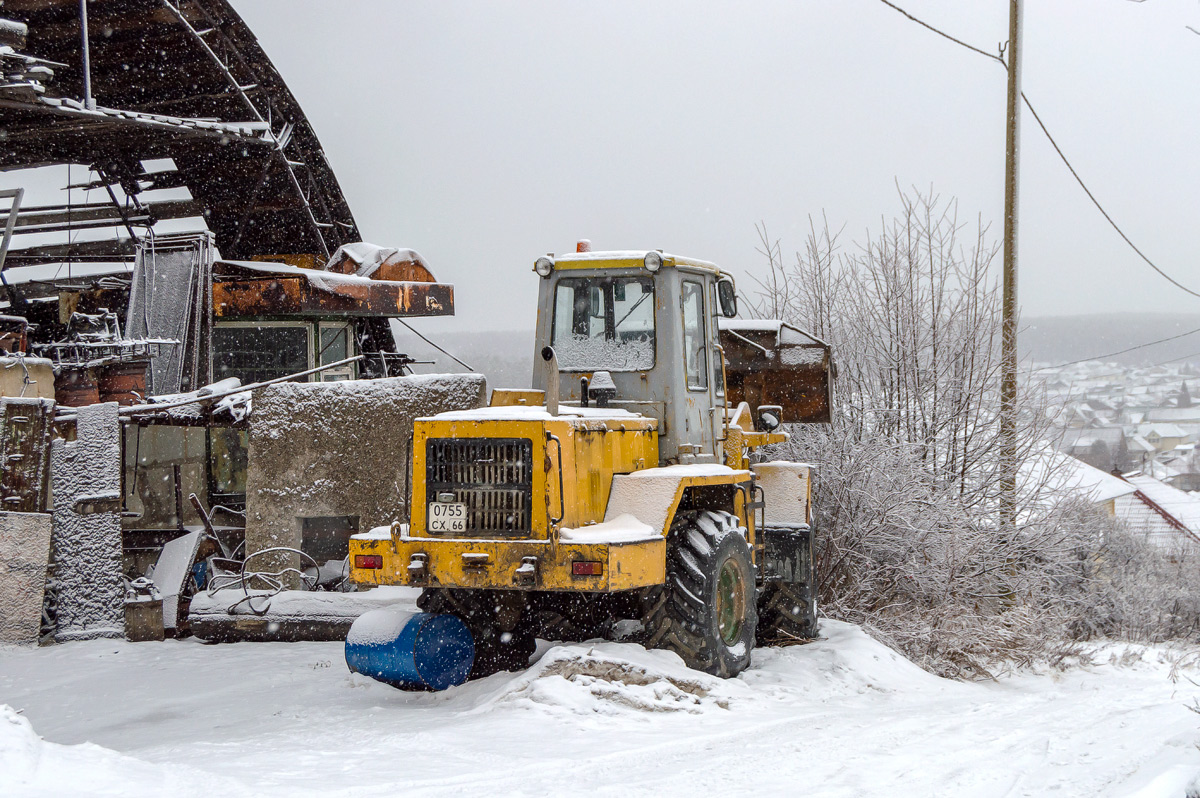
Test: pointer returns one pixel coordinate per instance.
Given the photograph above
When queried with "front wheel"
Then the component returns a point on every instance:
(706, 612)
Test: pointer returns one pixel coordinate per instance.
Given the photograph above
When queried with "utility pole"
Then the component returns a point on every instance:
(1008, 329)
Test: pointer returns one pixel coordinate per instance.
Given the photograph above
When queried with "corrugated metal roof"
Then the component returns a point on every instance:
(1167, 517)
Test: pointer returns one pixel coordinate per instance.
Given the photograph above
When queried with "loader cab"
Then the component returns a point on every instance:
(638, 331)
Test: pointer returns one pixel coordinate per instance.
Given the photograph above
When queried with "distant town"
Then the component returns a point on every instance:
(1141, 425)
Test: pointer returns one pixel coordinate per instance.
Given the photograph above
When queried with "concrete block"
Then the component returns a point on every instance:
(24, 553)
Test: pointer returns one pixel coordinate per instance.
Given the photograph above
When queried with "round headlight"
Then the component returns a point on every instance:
(543, 266)
(653, 261)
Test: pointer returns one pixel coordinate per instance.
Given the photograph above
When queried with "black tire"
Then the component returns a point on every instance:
(706, 612)
(575, 617)
(787, 613)
(498, 621)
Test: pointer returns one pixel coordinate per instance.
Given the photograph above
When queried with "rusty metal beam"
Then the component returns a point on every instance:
(101, 212)
(296, 296)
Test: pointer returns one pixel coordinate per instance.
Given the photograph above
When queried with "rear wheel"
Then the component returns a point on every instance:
(706, 611)
(499, 623)
(787, 611)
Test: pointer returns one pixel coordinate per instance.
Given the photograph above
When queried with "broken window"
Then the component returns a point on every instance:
(335, 342)
(326, 538)
(227, 465)
(259, 351)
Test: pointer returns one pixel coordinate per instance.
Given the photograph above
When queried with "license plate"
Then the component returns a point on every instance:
(447, 517)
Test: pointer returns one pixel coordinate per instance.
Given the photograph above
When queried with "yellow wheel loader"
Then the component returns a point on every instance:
(616, 498)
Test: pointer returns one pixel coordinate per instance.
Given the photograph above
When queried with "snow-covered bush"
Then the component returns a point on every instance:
(929, 574)
(909, 475)
(1139, 592)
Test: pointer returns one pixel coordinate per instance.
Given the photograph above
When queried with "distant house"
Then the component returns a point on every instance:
(1164, 437)
(1140, 449)
(1166, 517)
(1105, 448)
(1057, 474)
(1174, 415)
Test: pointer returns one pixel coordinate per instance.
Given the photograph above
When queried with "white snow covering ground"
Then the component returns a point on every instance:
(843, 716)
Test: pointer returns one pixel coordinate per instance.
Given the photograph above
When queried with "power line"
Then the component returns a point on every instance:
(1100, 207)
(1123, 351)
(943, 34)
(1175, 359)
(1054, 144)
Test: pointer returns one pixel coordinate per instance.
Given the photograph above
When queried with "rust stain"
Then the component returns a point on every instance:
(295, 296)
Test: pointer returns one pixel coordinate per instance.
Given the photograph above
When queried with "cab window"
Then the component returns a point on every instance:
(695, 349)
(604, 323)
(718, 365)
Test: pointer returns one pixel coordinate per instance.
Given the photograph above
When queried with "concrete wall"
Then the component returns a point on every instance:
(87, 545)
(328, 450)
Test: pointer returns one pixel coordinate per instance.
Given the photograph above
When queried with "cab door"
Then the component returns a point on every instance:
(697, 322)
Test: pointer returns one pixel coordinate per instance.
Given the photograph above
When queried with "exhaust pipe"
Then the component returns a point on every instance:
(552, 383)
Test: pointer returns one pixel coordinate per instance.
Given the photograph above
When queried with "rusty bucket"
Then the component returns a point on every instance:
(76, 387)
(123, 383)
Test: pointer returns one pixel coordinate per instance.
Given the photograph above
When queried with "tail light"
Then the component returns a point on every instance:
(368, 560)
(585, 568)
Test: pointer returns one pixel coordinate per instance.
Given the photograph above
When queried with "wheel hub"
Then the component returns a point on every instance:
(731, 601)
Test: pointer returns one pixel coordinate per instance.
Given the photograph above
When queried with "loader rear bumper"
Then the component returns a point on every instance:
(510, 564)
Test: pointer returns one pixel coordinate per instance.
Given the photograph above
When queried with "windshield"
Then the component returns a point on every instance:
(604, 323)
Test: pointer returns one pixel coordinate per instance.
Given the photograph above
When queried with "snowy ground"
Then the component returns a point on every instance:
(843, 717)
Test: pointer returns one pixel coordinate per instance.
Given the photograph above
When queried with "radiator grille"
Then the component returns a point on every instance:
(492, 476)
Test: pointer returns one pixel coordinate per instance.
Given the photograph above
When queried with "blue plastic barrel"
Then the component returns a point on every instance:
(410, 649)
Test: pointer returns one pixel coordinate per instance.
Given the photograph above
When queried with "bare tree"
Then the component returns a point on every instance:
(909, 540)
(914, 317)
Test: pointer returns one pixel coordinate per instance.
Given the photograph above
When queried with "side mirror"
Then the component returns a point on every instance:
(768, 418)
(727, 298)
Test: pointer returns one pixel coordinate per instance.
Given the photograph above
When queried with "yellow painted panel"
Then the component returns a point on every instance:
(493, 564)
(517, 397)
(424, 429)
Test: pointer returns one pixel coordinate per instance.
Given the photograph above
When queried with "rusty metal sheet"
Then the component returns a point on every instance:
(804, 394)
(761, 370)
(24, 446)
(296, 296)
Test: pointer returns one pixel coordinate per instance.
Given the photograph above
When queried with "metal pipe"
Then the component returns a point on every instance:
(551, 381)
(136, 410)
(17, 194)
(10, 219)
(88, 101)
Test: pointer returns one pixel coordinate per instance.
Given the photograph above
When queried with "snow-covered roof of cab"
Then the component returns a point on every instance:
(627, 259)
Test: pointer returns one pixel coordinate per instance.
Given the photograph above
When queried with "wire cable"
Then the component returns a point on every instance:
(943, 34)
(1054, 144)
(1123, 351)
(1176, 359)
(435, 346)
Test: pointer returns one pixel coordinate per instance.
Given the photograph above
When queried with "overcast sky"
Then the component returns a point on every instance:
(484, 134)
